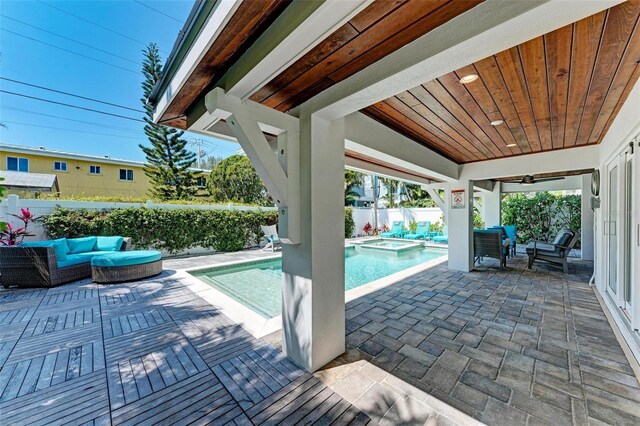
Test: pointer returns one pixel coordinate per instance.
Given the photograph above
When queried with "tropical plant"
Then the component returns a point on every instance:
(168, 161)
(349, 223)
(352, 181)
(392, 186)
(234, 179)
(367, 228)
(11, 235)
(413, 225)
(3, 225)
(417, 197)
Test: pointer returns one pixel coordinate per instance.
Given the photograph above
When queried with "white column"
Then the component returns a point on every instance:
(460, 226)
(586, 220)
(313, 309)
(493, 206)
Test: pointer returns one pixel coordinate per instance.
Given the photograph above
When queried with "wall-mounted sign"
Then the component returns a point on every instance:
(457, 199)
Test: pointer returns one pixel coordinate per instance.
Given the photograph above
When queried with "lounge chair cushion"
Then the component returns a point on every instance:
(78, 258)
(126, 258)
(59, 246)
(81, 245)
(564, 239)
(108, 243)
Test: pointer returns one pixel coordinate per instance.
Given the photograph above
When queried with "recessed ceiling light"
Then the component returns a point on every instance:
(497, 122)
(468, 79)
(512, 144)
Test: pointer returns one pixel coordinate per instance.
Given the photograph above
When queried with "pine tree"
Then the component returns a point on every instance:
(168, 160)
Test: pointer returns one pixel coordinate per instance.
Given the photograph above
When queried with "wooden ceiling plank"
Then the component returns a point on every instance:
(452, 104)
(373, 13)
(398, 20)
(510, 67)
(535, 72)
(627, 68)
(491, 77)
(482, 97)
(336, 40)
(434, 107)
(618, 26)
(460, 92)
(434, 125)
(438, 16)
(558, 54)
(389, 116)
(586, 39)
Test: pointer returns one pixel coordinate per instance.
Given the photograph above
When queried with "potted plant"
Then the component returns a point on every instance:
(12, 236)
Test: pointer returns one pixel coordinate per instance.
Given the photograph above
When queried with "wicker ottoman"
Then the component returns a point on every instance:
(126, 266)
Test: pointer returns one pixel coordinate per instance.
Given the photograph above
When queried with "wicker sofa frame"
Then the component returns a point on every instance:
(118, 274)
(37, 267)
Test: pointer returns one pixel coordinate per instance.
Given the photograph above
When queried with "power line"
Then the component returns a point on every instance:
(96, 24)
(71, 94)
(70, 39)
(71, 106)
(70, 51)
(159, 11)
(121, 129)
(74, 131)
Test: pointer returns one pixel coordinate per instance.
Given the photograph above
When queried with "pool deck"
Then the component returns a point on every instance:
(440, 347)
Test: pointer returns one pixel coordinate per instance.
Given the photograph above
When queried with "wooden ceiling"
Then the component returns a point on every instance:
(249, 21)
(380, 29)
(556, 91)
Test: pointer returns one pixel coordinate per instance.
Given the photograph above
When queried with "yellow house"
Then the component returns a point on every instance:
(82, 174)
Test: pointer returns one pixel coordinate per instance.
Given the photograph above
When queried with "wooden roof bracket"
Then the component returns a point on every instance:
(280, 171)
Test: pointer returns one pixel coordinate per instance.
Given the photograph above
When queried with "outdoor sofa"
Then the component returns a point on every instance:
(54, 262)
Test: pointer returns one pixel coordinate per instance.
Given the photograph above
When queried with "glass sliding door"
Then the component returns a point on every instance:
(611, 227)
(628, 231)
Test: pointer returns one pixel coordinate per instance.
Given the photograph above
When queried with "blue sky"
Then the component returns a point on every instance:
(105, 67)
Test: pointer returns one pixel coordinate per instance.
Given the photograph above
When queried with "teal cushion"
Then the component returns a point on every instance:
(126, 258)
(108, 243)
(81, 245)
(59, 246)
(77, 258)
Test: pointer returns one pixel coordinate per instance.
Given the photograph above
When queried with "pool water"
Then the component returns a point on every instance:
(258, 285)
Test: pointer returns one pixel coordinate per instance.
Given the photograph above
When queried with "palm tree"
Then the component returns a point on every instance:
(352, 180)
(392, 186)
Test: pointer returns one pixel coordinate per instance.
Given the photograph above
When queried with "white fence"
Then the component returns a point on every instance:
(385, 216)
(12, 205)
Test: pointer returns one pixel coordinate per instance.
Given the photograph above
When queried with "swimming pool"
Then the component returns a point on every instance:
(258, 284)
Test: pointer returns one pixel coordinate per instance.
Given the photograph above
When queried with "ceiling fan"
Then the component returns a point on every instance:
(530, 180)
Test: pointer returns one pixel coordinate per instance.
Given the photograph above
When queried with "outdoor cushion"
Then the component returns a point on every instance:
(564, 239)
(542, 248)
(59, 246)
(108, 243)
(81, 245)
(77, 258)
(126, 258)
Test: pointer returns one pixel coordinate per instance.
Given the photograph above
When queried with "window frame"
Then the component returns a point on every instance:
(128, 172)
(18, 161)
(97, 168)
(61, 169)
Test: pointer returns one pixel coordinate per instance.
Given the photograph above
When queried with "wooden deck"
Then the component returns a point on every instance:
(150, 352)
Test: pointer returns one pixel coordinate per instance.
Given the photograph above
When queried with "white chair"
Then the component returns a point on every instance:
(271, 234)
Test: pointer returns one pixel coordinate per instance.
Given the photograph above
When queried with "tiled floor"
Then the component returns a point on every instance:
(513, 347)
(506, 348)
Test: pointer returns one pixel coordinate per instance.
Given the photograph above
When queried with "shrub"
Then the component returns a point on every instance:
(171, 230)
(349, 223)
(540, 216)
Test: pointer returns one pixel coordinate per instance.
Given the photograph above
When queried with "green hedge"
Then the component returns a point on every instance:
(349, 223)
(171, 230)
(540, 216)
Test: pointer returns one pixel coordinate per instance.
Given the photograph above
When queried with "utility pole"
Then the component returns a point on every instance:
(198, 143)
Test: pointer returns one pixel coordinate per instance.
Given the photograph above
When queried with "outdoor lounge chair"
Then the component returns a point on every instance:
(422, 230)
(510, 232)
(555, 252)
(489, 243)
(271, 234)
(395, 232)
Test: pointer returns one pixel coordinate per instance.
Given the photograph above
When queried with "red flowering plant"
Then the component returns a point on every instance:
(12, 236)
(367, 228)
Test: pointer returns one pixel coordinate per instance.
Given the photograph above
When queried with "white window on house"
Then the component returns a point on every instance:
(95, 170)
(126, 174)
(60, 166)
(17, 164)
(201, 181)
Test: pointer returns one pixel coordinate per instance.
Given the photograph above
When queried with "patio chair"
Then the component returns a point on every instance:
(489, 243)
(421, 231)
(556, 252)
(395, 232)
(439, 237)
(511, 233)
(271, 234)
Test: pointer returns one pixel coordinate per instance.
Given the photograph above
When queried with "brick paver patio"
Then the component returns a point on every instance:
(508, 348)
(513, 347)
